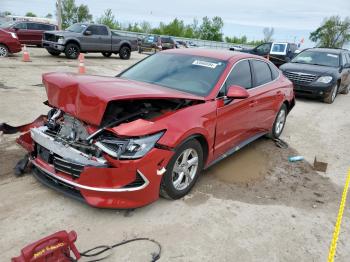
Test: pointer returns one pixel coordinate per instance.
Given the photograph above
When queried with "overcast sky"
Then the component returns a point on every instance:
(291, 19)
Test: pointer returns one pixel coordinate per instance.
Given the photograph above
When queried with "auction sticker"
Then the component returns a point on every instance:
(205, 63)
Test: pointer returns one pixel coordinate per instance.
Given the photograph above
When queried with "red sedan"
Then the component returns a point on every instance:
(9, 43)
(120, 142)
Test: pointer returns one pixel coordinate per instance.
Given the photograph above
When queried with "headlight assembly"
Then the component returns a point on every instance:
(325, 79)
(13, 35)
(60, 40)
(128, 148)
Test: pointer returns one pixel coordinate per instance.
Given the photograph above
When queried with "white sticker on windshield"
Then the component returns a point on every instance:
(331, 55)
(204, 63)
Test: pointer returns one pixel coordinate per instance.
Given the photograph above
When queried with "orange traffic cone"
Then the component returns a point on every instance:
(81, 64)
(26, 57)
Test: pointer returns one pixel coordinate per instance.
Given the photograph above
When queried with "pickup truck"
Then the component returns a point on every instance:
(88, 38)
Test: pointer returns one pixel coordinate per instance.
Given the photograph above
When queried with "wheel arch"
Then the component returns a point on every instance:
(125, 44)
(73, 41)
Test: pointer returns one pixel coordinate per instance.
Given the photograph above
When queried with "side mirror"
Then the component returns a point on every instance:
(237, 92)
(87, 32)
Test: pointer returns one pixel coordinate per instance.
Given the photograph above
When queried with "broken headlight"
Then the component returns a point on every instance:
(130, 148)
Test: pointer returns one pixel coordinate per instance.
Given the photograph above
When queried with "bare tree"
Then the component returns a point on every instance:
(268, 33)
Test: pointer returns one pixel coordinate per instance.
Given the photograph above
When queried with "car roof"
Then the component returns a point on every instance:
(329, 50)
(17, 22)
(212, 53)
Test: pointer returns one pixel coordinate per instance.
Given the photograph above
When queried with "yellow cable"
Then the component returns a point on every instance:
(333, 246)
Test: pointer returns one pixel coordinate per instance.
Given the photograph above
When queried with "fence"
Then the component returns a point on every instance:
(198, 42)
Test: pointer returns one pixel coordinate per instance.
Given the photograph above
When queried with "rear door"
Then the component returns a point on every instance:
(235, 118)
(345, 74)
(265, 94)
(35, 32)
(99, 40)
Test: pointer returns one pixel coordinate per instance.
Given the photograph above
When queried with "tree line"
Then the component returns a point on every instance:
(333, 32)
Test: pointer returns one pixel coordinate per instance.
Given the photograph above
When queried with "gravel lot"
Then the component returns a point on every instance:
(253, 206)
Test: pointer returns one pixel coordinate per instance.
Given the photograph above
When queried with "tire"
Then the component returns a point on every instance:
(72, 51)
(140, 50)
(53, 52)
(106, 54)
(124, 52)
(176, 184)
(332, 95)
(280, 122)
(346, 90)
(4, 52)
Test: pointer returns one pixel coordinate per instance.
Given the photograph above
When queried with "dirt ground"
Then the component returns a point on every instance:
(252, 206)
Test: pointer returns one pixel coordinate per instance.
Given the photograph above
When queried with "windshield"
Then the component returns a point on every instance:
(6, 24)
(76, 28)
(192, 74)
(317, 58)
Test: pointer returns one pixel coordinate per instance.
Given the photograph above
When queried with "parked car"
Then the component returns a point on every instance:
(8, 43)
(320, 73)
(29, 33)
(181, 44)
(155, 44)
(278, 52)
(88, 38)
(119, 142)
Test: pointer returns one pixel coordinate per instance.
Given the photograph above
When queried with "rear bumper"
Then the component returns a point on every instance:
(53, 46)
(115, 184)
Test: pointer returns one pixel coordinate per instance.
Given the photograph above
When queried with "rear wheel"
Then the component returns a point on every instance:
(106, 54)
(72, 51)
(182, 171)
(279, 123)
(332, 95)
(3, 51)
(124, 52)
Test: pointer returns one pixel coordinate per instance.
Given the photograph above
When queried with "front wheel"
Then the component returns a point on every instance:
(53, 52)
(3, 51)
(124, 52)
(106, 54)
(183, 170)
(279, 123)
(72, 51)
(332, 95)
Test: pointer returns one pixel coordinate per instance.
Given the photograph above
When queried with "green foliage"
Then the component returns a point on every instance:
(7, 13)
(49, 16)
(242, 40)
(30, 14)
(333, 33)
(211, 29)
(108, 19)
(74, 14)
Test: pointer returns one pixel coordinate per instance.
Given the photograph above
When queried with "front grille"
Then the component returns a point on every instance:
(67, 167)
(50, 37)
(300, 77)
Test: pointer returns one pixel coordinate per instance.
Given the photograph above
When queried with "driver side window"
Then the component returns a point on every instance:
(263, 49)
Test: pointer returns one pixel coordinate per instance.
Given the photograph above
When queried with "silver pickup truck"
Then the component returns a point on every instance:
(88, 38)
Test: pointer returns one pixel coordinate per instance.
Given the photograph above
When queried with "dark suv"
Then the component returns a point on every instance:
(320, 73)
(154, 43)
(278, 52)
(29, 33)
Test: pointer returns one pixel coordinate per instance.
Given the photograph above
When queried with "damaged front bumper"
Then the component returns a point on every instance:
(104, 182)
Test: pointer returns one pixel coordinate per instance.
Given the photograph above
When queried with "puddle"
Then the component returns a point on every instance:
(251, 163)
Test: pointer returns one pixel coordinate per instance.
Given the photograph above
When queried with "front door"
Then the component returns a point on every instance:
(99, 40)
(235, 118)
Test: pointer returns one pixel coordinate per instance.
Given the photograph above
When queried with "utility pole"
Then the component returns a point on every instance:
(59, 13)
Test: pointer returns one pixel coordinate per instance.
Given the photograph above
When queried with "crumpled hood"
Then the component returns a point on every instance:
(86, 96)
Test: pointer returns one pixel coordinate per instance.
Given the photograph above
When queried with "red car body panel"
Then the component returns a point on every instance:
(12, 44)
(221, 126)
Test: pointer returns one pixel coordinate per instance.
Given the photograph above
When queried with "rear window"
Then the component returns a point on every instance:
(262, 72)
(149, 39)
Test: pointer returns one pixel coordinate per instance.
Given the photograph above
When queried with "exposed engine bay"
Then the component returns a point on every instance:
(72, 132)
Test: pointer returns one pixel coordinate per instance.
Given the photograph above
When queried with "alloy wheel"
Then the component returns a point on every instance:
(185, 169)
(3, 51)
(281, 120)
(334, 93)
